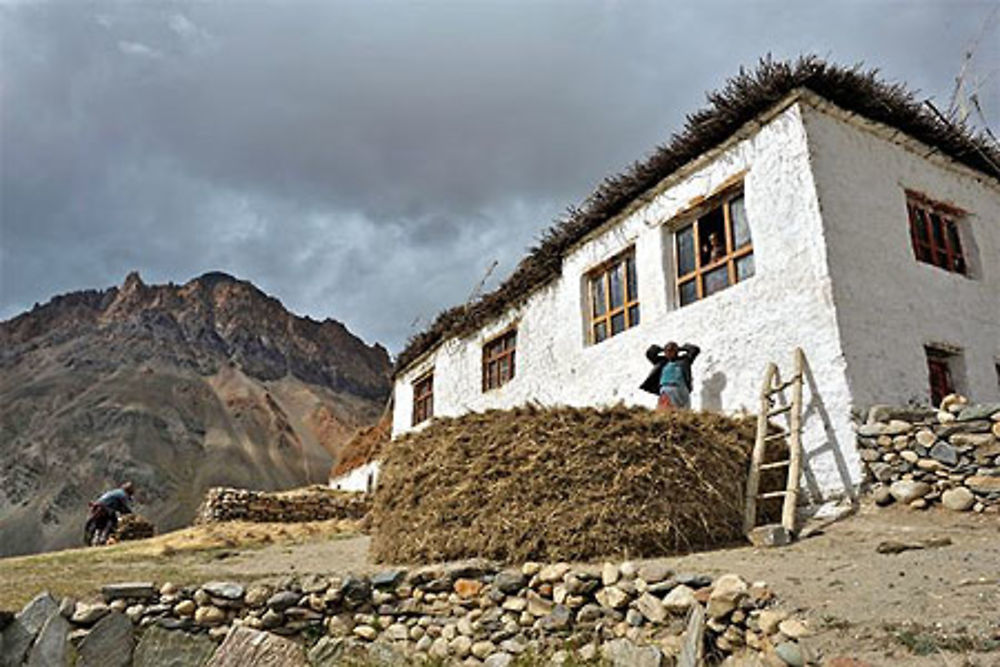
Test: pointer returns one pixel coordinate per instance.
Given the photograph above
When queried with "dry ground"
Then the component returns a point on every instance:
(940, 602)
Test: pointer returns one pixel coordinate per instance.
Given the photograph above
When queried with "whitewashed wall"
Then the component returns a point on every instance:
(889, 305)
(362, 478)
(788, 303)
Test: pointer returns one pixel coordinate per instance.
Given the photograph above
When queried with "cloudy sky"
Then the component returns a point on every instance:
(368, 161)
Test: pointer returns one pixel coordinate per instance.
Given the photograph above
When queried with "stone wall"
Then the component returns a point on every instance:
(472, 612)
(922, 457)
(313, 503)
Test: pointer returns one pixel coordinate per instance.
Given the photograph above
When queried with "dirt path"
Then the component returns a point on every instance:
(861, 603)
(856, 599)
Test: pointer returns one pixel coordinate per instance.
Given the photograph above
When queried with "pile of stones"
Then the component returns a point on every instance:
(922, 457)
(314, 503)
(472, 612)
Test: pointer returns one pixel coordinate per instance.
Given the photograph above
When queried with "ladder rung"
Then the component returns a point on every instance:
(776, 464)
(778, 411)
(783, 386)
(773, 494)
(775, 436)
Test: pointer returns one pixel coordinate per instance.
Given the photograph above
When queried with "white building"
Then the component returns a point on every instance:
(852, 224)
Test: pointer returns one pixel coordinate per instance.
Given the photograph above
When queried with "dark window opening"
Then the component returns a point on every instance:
(934, 233)
(940, 370)
(498, 360)
(715, 251)
(423, 398)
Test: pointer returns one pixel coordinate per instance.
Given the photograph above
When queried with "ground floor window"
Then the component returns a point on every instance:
(941, 365)
(423, 398)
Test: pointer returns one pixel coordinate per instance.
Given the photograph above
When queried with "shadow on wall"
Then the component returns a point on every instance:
(711, 391)
(815, 409)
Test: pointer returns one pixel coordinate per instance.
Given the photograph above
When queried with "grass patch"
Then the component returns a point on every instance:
(923, 640)
(176, 557)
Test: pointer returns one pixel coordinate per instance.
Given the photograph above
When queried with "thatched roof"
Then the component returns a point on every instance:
(742, 99)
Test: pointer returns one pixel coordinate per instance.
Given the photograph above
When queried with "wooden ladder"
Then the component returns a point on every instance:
(774, 386)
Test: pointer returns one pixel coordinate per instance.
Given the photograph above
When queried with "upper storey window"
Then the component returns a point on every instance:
(715, 251)
(498, 360)
(934, 233)
(423, 398)
(614, 297)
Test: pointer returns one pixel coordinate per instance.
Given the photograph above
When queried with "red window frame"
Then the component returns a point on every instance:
(939, 374)
(499, 356)
(423, 398)
(935, 234)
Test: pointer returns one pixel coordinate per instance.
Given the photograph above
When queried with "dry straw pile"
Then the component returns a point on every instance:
(562, 484)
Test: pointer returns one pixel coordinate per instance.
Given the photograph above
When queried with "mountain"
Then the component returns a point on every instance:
(176, 387)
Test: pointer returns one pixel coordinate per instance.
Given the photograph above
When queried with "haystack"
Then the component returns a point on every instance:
(562, 484)
(134, 527)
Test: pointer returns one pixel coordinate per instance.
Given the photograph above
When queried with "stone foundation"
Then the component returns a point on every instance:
(472, 612)
(313, 503)
(923, 457)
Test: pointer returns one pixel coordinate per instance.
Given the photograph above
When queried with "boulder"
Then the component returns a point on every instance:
(679, 599)
(624, 653)
(88, 614)
(165, 648)
(959, 499)
(109, 643)
(509, 581)
(137, 590)
(244, 647)
(906, 491)
(226, 590)
(652, 608)
(51, 649)
(985, 411)
(944, 453)
(983, 484)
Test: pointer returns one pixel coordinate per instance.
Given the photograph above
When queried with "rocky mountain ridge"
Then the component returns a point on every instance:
(179, 387)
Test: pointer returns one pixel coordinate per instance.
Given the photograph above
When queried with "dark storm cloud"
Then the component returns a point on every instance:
(369, 161)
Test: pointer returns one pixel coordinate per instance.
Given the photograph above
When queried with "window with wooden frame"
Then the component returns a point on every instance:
(934, 232)
(715, 251)
(613, 296)
(423, 398)
(940, 373)
(498, 359)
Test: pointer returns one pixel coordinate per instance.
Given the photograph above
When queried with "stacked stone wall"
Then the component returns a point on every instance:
(471, 612)
(924, 457)
(314, 503)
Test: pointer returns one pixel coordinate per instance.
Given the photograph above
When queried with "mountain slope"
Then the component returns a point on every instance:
(177, 388)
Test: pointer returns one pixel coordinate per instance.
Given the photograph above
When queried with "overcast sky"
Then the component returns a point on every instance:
(368, 161)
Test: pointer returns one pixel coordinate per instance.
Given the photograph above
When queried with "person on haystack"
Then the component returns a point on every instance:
(104, 513)
(670, 378)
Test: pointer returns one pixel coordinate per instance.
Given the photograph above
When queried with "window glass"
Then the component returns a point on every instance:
(617, 323)
(633, 315)
(597, 294)
(716, 280)
(630, 278)
(685, 251)
(741, 228)
(600, 332)
(617, 292)
(689, 293)
(744, 268)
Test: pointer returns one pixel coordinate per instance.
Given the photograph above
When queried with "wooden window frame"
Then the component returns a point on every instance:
(423, 403)
(946, 253)
(492, 357)
(604, 272)
(940, 372)
(723, 201)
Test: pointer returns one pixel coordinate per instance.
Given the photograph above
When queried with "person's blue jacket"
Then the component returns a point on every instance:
(685, 357)
(117, 501)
